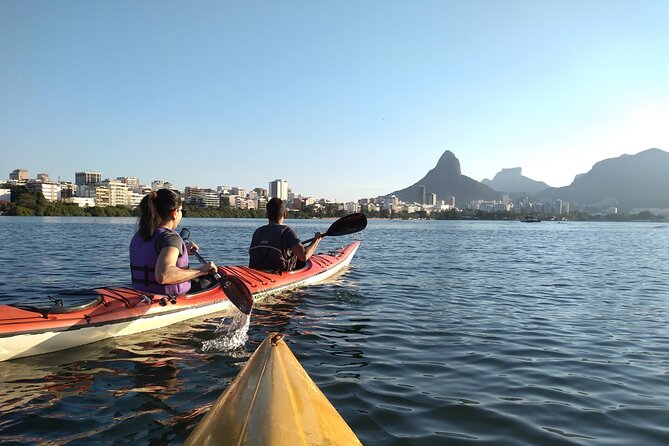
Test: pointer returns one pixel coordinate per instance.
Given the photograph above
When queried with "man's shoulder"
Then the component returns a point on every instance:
(278, 230)
(264, 229)
(290, 236)
(275, 227)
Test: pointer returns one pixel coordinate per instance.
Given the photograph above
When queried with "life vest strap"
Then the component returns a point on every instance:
(146, 271)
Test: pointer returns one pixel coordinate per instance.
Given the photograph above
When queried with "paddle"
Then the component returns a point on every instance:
(232, 286)
(348, 224)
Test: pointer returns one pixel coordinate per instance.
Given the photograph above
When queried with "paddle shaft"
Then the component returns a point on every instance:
(233, 287)
(309, 240)
(203, 261)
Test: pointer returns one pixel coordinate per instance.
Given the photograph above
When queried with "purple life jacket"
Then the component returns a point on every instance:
(143, 259)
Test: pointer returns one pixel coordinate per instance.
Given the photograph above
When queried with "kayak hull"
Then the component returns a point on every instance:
(28, 331)
(273, 402)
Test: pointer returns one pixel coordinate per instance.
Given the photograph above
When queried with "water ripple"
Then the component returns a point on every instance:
(463, 333)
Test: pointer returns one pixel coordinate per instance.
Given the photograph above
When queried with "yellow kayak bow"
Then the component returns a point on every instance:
(273, 402)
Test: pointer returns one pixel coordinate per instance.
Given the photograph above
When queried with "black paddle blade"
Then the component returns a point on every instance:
(237, 293)
(348, 225)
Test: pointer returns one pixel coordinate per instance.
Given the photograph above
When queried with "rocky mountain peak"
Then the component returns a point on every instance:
(446, 180)
(511, 172)
(448, 164)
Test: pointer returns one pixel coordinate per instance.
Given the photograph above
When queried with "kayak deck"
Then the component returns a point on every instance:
(273, 402)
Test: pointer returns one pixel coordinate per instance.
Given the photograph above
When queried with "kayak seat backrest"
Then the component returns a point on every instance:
(203, 283)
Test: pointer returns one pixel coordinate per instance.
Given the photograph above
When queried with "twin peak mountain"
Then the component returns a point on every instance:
(629, 182)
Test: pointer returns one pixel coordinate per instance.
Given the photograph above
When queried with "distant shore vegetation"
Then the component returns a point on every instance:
(29, 203)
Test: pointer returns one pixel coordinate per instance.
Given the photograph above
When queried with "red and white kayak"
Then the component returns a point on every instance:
(103, 313)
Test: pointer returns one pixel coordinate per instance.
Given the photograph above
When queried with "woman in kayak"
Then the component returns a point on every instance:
(158, 255)
(275, 246)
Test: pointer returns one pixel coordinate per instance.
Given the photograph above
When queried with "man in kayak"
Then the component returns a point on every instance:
(275, 246)
(158, 255)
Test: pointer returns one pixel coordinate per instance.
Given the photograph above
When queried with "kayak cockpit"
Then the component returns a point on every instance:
(68, 301)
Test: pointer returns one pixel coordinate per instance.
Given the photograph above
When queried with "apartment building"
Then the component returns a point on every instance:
(87, 178)
(160, 184)
(82, 202)
(18, 175)
(278, 188)
(130, 182)
(119, 195)
(5, 196)
(50, 191)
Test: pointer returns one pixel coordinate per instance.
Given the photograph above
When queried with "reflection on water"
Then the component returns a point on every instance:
(480, 333)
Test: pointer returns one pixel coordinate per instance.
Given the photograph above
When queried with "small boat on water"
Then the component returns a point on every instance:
(530, 219)
(273, 402)
(75, 318)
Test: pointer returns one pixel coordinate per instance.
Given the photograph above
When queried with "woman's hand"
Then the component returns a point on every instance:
(207, 268)
(167, 271)
(192, 247)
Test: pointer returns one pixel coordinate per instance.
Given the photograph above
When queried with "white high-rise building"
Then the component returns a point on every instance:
(134, 198)
(130, 182)
(160, 184)
(112, 193)
(50, 191)
(278, 188)
(5, 196)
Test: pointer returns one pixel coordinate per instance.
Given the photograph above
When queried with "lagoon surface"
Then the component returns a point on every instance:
(439, 333)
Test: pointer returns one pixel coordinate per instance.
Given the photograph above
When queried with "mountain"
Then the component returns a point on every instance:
(628, 182)
(512, 181)
(446, 180)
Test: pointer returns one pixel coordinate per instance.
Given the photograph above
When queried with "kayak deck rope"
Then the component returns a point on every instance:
(263, 278)
(243, 273)
(321, 261)
(115, 293)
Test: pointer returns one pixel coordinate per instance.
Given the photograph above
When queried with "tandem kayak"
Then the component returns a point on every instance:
(273, 402)
(84, 316)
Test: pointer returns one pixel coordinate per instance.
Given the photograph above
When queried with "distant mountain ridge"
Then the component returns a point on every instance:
(628, 182)
(512, 181)
(446, 180)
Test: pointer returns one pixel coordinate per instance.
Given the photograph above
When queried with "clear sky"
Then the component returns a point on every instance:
(343, 99)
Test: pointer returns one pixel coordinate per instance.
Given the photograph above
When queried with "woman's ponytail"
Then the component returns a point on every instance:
(154, 210)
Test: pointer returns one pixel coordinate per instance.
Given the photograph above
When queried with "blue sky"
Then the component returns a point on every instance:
(343, 99)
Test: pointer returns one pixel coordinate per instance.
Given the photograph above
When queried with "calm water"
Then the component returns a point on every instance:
(448, 333)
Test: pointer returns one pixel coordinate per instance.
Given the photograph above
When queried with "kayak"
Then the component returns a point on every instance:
(79, 317)
(272, 402)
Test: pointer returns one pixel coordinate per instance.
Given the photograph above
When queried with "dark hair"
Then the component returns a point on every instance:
(275, 209)
(154, 210)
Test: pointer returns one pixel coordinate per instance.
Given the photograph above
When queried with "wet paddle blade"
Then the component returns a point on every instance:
(348, 225)
(237, 293)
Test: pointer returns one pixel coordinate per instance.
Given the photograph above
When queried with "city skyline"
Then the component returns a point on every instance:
(347, 99)
(128, 191)
(98, 174)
